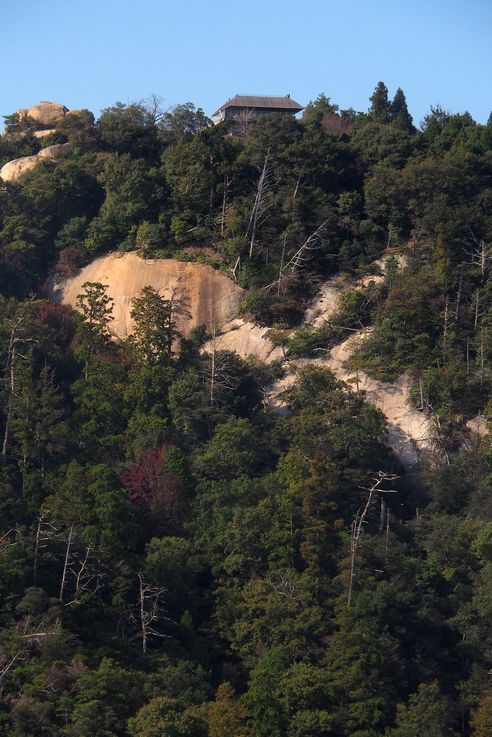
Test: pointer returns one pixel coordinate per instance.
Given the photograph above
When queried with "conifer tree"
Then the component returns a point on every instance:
(96, 308)
(398, 111)
(380, 105)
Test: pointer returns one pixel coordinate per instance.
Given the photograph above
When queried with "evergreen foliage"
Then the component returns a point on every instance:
(175, 558)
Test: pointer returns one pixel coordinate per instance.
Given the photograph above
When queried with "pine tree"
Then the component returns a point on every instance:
(96, 308)
(155, 329)
(380, 105)
(398, 111)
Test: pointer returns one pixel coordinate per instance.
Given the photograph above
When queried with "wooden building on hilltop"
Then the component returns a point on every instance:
(241, 110)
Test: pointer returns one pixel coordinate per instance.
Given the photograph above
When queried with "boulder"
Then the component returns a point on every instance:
(47, 113)
(212, 299)
(12, 170)
(246, 339)
(57, 151)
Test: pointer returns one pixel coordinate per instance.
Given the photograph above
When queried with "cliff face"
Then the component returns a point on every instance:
(211, 298)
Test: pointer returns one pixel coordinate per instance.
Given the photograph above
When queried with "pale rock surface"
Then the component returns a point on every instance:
(324, 304)
(43, 134)
(246, 339)
(45, 112)
(14, 169)
(57, 151)
(410, 432)
(212, 298)
(478, 425)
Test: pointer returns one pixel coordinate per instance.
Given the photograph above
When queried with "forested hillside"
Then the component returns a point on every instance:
(176, 558)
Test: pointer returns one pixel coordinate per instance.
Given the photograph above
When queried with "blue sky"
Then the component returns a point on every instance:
(91, 53)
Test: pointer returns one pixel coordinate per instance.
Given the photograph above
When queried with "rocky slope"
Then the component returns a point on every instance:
(411, 434)
(211, 299)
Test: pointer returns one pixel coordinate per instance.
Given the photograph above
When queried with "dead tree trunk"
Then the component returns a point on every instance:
(65, 564)
(150, 610)
(261, 204)
(227, 183)
(477, 308)
(358, 523)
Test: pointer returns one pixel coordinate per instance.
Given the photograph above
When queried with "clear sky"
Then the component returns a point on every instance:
(92, 53)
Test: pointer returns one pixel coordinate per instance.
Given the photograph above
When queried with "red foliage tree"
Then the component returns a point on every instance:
(161, 496)
(70, 260)
(57, 320)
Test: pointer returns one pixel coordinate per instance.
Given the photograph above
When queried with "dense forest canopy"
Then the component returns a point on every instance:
(175, 558)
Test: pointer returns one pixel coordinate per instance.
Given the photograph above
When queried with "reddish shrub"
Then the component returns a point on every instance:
(160, 495)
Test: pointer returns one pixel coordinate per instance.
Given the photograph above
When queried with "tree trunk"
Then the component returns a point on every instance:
(65, 565)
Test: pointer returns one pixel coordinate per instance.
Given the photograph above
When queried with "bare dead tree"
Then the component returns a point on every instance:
(154, 108)
(243, 120)
(236, 267)
(150, 610)
(283, 583)
(218, 373)
(445, 324)
(66, 562)
(482, 357)
(458, 298)
(282, 259)
(304, 254)
(478, 314)
(6, 540)
(262, 203)
(439, 433)
(7, 662)
(85, 573)
(298, 182)
(45, 530)
(386, 539)
(223, 213)
(357, 526)
(481, 255)
(17, 341)
(301, 257)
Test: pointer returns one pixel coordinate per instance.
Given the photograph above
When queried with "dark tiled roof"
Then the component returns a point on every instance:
(262, 101)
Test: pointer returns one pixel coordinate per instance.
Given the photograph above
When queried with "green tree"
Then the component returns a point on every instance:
(263, 699)
(165, 717)
(380, 106)
(398, 111)
(96, 308)
(227, 717)
(155, 331)
(183, 121)
(426, 712)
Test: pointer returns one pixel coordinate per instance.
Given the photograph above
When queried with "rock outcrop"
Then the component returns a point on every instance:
(45, 113)
(212, 298)
(44, 133)
(247, 339)
(478, 425)
(12, 170)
